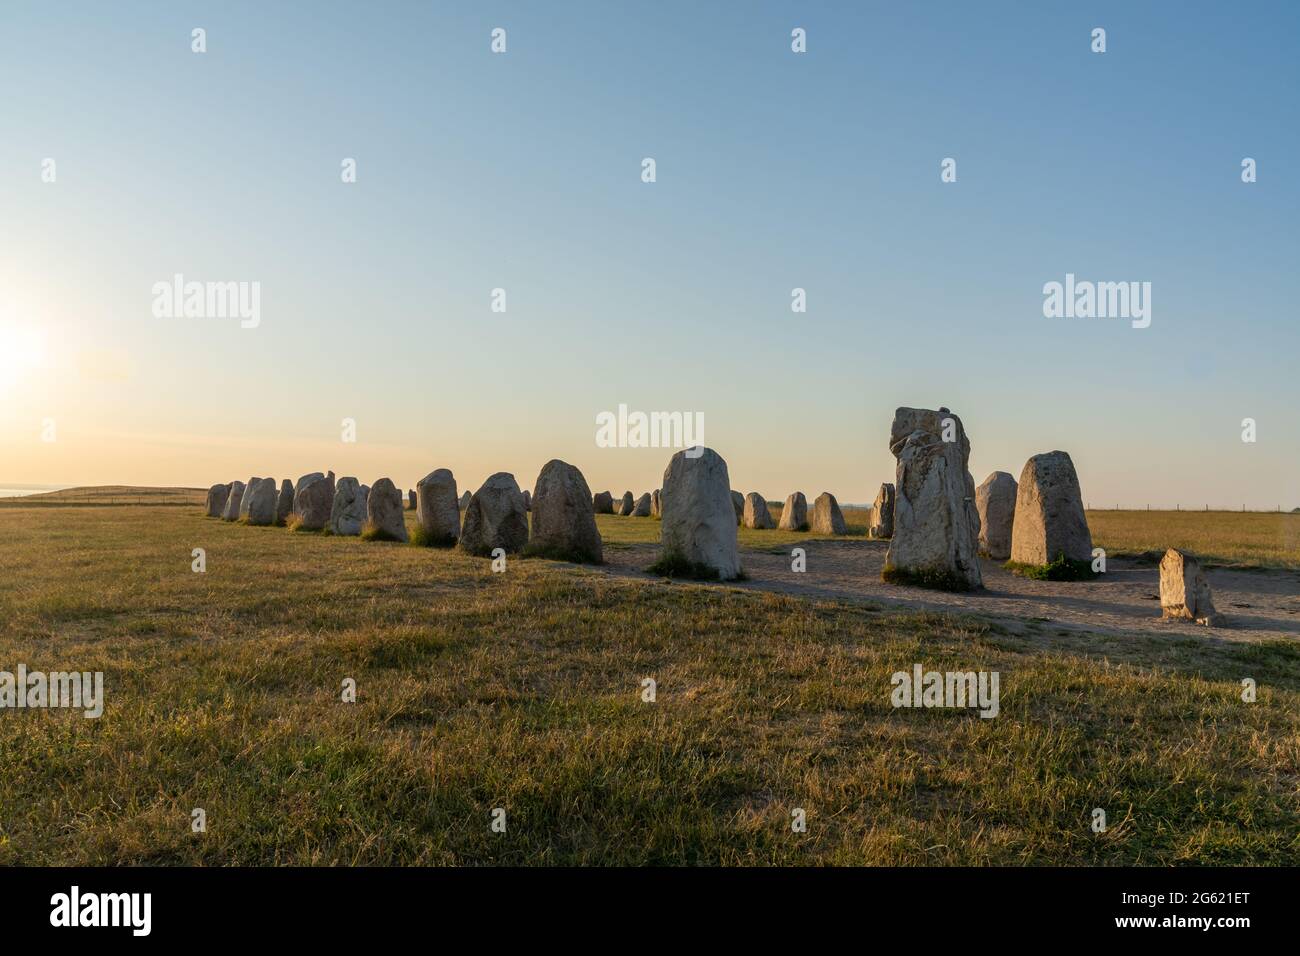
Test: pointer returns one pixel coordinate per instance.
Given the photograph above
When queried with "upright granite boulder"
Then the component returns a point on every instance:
(827, 517)
(437, 509)
(698, 533)
(656, 505)
(261, 498)
(995, 501)
(738, 502)
(1184, 589)
(1049, 521)
(410, 499)
(564, 524)
(246, 499)
(625, 505)
(495, 518)
(348, 513)
(216, 502)
(284, 503)
(935, 539)
(313, 501)
(231, 511)
(882, 513)
(385, 516)
(756, 513)
(602, 503)
(794, 515)
(642, 507)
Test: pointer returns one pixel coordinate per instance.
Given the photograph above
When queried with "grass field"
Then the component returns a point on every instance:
(1246, 539)
(522, 691)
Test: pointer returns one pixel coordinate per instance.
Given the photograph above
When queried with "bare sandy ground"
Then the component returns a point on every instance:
(1256, 605)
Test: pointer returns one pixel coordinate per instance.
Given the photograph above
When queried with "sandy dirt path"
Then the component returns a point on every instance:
(1257, 605)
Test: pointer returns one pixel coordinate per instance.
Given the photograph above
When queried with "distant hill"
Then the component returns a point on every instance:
(104, 495)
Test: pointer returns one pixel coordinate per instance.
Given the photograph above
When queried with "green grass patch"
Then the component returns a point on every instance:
(1062, 569)
(372, 532)
(936, 579)
(423, 538)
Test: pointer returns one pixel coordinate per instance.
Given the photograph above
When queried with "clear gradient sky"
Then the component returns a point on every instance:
(775, 170)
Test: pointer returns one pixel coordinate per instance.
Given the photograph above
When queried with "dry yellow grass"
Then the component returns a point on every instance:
(1247, 539)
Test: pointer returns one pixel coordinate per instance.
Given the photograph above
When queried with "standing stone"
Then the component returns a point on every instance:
(882, 513)
(656, 505)
(216, 502)
(738, 502)
(625, 505)
(464, 500)
(313, 500)
(827, 517)
(246, 499)
(528, 501)
(284, 504)
(348, 514)
(231, 511)
(1184, 590)
(794, 516)
(410, 499)
(1049, 520)
(260, 496)
(756, 513)
(495, 518)
(699, 519)
(995, 501)
(564, 524)
(603, 503)
(642, 507)
(437, 510)
(384, 513)
(936, 527)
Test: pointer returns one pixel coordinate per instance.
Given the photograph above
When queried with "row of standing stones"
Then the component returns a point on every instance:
(937, 522)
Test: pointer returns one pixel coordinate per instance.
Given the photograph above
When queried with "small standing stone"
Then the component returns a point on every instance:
(827, 517)
(756, 513)
(603, 503)
(385, 519)
(216, 502)
(882, 513)
(495, 518)
(1184, 589)
(642, 507)
(348, 513)
(231, 511)
(794, 515)
(995, 500)
(626, 504)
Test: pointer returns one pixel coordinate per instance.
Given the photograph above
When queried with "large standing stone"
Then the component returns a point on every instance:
(995, 501)
(384, 513)
(231, 511)
(216, 503)
(756, 513)
(656, 504)
(564, 524)
(625, 505)
(827, 517)
(1049, 521)
(794, 516)
(246, 499)
(495, 518)
(936, 527)
(738, 502)
(1184, 590)
(882, 513)
(438, 511)
(260, 496)
(348, 514)
(313, 500)
(699, 522)
(284, 504)
(642, 507)
(464, 500)
(603, 503)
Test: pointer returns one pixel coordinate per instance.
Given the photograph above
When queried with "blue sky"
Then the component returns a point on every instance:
(775, 170)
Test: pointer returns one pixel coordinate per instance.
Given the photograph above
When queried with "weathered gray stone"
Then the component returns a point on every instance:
(528, 501)
(625, 505)
(995, 501)
(216, 502)
(1049, 520)
(1184, 589)
(313, 500)
(794, 515)
(348, 513)
(603, 503)
(410, 499)
(699, 520)
(564, 524)
(246, 499)
(260, 497)
(438, 510)
(495, 518)
(827, 517)
(464, 500)
(756, 513)
(738, 502)
(656, 505)
(284, 503)
(882, 513)
(642, 507)
(936, 526)
(231, 511)
(385, 519)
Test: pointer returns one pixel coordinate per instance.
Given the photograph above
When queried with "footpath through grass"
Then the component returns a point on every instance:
(523, 691)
